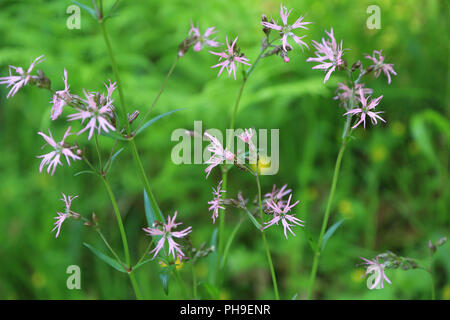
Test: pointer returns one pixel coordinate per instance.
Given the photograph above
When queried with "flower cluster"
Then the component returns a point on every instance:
(52, 159)
(328, 55)
(280, 212)
(230, 58)
(68, 213)
(21, 78)
(364, 110)
(216, 202)
(166, 233)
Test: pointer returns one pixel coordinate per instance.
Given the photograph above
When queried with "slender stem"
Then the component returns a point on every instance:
(110, 248)
(117, 76)
(229, 241)
(98, 152)
(119, 221)
(136, 289)
(194, 281)
(145, 253)
(266, 245)
(430, 270)
(163, 85)
(130, 140)
(246, 75)
(180, 282)
(325, 219)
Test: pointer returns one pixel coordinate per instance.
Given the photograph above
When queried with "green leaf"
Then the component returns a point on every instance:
(85, 172)
(90, 10)
(164, 276)
(113, 135)
(295, 296)
(112, 262)
(152, 121)
(212, 290)
(114, 156)
(112, 11)
(141, 264)
(212, 258)
(330, 232)
(149, 213)
(253, 219)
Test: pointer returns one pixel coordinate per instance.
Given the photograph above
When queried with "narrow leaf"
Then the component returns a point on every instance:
(254, 221)
(295, 296)
(164, 276)
(112, 262)
(152, 121)
(113, 135)
(149, 213)
(330, 232)
(112, 11)
(213, 258)
(211, 289)
(114, 156)
(90, 10)
(84, 172)
(310, 239)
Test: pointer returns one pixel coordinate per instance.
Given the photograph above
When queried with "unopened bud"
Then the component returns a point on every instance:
(42, 80)
(370, 69)
(356, 65)
(94, 218)
(133, 116)
(265, 29)
(431, 246)
(441, 241)
(88, 224)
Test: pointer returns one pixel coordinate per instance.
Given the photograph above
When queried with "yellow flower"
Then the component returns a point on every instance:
(263, 165)
(178, 264)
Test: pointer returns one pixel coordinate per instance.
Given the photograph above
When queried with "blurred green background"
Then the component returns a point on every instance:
(393, 188)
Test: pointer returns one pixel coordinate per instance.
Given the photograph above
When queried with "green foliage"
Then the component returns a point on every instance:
(393, 189)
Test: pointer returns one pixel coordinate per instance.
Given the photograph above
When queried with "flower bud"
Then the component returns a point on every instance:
(356, 65)
(133, 116)
(42, 80)
(94, 218)
(431, 246)
(265, 29)
(441, 241)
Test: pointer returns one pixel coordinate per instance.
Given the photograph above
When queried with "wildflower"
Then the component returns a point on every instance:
(246, 136)
(328, 54)
(21, 79)
(379, 65)
(366, 106)
(167, 234)
(98, 113)
(202, 41)
(231, 58)
(61, 217)
(52, 159)
(344, 93)
(60, 99)
(216, 202)
(281, 213)
(378, 269)
(286, 29)
(219, 154)
(276, 196)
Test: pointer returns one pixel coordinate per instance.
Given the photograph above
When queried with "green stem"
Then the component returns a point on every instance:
(180, 282)
(325, 219)
(136, 289)
(145, 253)
(98, 152)
(159, 94)
(430, 270)
(111, 249)
(266, 245)
(119, 221)
(229, 241)
(131, 142)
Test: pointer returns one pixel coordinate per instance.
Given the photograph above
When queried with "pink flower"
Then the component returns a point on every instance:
(61, 217)
(280, 212)
(21, 79)
(379, 65)
(216, 202)
(52, 159)
(219, 154)
(276, 196)
(98, 113)
(366, 106)
(246, 136)
(202, 41)
(286, 29)
(328, 54)
(231, 58)
(378, 269)
(344, 93)
(59, 99)
(167, 234)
